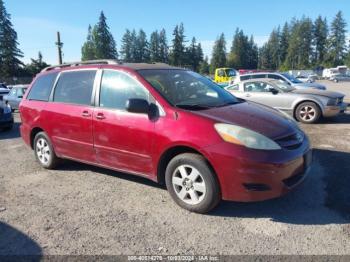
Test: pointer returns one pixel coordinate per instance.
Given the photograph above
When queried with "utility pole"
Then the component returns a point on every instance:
(59, 45)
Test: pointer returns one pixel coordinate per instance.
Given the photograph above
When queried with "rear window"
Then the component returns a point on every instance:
(42, 87)
(75, 87)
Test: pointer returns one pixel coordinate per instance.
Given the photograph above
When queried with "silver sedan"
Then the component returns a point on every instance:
(305, 105)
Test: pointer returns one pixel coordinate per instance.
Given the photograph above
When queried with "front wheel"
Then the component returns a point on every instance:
(308, 113)
(192, 184)
(44, 152)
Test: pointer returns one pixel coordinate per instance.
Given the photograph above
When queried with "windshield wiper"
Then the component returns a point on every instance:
(192, 106)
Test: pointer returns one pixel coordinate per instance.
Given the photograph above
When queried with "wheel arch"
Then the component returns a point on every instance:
(33, 133)
(173, 151)
(318, 104)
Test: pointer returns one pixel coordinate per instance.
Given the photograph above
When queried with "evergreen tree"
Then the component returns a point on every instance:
(142, 48)
(264, 57)
(163, 47)
(126, 47)
(178, 54)
(284, 41)
(36, 65)
(253, 54)
(105, 46)
(219, 54)
(194, 55)
(88, 50)
(204, 66)
(273, 47)
(155, 47)
(320, 32)
(134, 45)
(337, 40)
(10, 54)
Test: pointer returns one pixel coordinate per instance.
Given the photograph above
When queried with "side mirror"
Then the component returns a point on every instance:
(274, 91)
(136, 105)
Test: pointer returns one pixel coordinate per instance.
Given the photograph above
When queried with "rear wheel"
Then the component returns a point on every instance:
(308, 112)
(192, 184)
(44, 152)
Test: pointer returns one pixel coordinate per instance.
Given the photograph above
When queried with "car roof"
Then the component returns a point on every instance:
(105, 63)
(267, 80)
(261, 73)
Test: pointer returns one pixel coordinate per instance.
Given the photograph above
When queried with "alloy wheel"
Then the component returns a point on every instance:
(43, 151)
(307, 113)
(189, 184)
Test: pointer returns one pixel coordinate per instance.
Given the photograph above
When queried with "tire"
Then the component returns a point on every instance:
(308, 113)
(44, 152)
(192, 184)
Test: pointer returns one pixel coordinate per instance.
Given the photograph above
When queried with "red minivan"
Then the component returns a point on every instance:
(167, 124)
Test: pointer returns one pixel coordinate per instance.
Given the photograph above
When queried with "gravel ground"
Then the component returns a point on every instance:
(80, 209)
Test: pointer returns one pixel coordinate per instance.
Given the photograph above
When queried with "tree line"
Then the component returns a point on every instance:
(298, 44)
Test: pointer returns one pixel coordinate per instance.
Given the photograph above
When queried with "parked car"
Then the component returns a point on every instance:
(6, 118)
(305, 105)
(15, 96)
(224, 75)
(340, 78)
(285, 77)
(166, 124)
(3, 91)
(305, 79)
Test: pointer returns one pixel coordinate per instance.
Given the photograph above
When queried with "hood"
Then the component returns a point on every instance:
(312, 85)
(318, 92)
(259, 118)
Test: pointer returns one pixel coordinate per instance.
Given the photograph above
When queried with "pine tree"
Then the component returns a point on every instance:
(155, 47)
(194, 55)
(126, 47)
(10, 54)
(284, 41)
(219, 54)
(163, 47)
(337, 40)
(320, 32)
(273, 46)
(178, 55)
(88, 50)
(253, 54)
(105, 46)
(142, 48)
(134, 45)
(204, 66)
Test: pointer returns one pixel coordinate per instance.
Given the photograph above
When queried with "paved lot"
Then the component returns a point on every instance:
(80, 209)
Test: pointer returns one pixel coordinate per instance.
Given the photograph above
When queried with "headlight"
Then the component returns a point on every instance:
(7, 109)
(245, 137)
(332, 102)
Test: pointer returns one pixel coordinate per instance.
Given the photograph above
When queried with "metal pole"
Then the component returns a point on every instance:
(59, 48)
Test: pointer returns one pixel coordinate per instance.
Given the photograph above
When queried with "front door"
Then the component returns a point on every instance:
(122, 140)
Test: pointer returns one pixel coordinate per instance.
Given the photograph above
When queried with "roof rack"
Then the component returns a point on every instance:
(89, 62)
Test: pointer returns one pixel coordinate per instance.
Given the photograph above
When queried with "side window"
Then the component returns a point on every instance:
(13, 92)
(256, 87)
(233, 88)
(258, 76)
(117, 88)
(274, 76)
(245, 77)
(221, 73)
(42, 87)
(75, 87)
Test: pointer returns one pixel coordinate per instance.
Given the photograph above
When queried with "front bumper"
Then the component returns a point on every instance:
(330, 111)
(6, 120)
(254, 175)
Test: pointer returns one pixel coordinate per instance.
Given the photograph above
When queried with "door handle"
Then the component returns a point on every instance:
(86, 114)
(248, 95)
(100, 116)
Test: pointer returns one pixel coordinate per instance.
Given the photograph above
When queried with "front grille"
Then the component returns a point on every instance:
(292, 141)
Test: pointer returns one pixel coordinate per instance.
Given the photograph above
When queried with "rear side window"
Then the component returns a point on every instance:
(42, 87)
(275, 77)
(75, 87)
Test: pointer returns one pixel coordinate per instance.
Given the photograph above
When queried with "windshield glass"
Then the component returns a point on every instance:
(282, 86)
(292, 79)
(187, 89)
(230, 72)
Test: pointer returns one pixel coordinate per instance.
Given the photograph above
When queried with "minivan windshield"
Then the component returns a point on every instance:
(292, 78)
(187, 89)
(230, 72)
